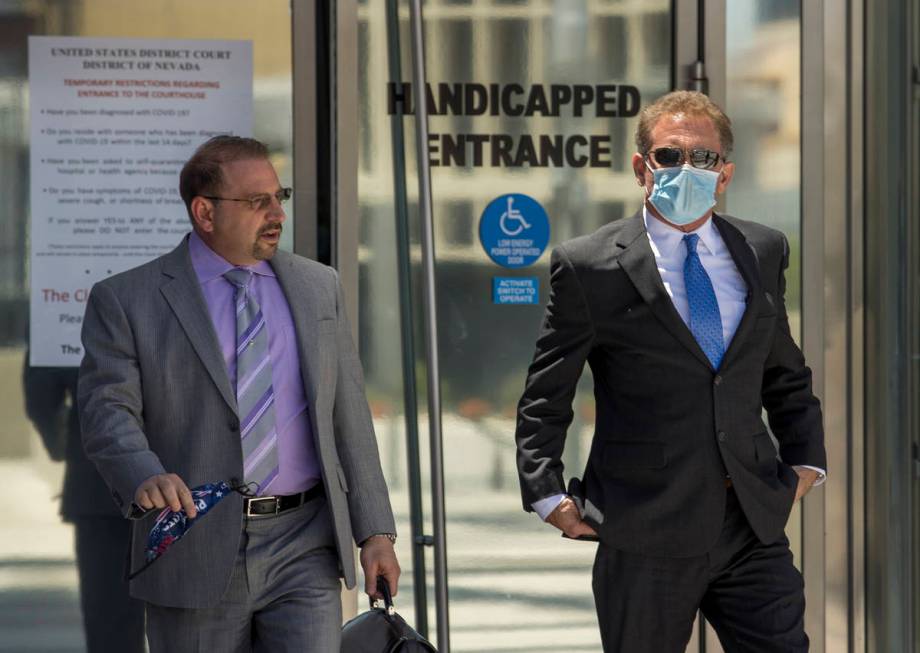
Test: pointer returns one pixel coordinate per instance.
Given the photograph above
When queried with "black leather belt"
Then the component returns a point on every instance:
(273, 505)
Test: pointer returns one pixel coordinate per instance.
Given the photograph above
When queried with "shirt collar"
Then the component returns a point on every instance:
(210, 265)
(665, 239)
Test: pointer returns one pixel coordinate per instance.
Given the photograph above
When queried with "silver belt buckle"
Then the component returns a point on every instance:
(249, 503)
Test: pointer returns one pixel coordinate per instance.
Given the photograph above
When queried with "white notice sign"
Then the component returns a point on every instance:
(113, 120)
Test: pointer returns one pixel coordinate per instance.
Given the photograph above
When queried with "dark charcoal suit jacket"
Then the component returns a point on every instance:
(669, 427)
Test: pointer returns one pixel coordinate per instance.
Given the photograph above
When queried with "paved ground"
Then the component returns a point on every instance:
(515, 586)
(39, 607)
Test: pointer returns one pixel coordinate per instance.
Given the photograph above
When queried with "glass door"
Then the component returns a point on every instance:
(39, 447)
(536, 101)
(514, 585)
(762, 96)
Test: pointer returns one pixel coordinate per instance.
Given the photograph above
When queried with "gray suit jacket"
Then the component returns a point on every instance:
(155, 397)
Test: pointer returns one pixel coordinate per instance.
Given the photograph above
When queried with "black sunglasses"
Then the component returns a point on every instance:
(258, 202)
(670, 157)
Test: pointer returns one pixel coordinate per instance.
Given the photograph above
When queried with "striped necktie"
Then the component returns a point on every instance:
(255, 396)
(705, 318)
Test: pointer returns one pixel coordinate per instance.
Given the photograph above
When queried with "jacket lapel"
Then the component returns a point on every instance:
(745, 257)
(638, 261)
(183, 294)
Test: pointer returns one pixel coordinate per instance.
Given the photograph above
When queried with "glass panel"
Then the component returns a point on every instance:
(379, 324)
(38, 586)
(763, 54)
(497, 601)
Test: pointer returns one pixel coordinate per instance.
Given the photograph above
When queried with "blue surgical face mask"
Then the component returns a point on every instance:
(683, 195)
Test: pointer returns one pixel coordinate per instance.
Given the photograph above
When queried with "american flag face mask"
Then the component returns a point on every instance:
(170, 526)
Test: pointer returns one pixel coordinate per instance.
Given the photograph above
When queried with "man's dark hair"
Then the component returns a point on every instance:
(201, 175)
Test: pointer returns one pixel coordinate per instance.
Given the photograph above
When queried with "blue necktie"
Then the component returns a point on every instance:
(254, 393)
(705, 319)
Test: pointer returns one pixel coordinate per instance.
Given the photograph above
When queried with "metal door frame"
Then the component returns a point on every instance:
(325, 89)
(833, 516)
(303, 70)
(892, 85)
(832, 291)
(832, 58)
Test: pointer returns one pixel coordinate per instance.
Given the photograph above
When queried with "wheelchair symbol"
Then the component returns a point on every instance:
(512, 215)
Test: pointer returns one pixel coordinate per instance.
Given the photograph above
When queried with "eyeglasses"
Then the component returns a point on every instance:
(670, 157)
(258, 202)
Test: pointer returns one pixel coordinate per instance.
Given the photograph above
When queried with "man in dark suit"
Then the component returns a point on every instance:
(231, 360)
(680, 314)
(112, 620)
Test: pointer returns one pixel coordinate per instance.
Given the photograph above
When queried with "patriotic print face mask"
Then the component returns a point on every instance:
(170, 526)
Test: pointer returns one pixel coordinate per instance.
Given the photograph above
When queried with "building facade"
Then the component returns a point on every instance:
(825, 106)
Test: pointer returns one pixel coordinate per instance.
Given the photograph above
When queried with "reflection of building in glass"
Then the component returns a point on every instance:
(490, 43)
(764, 102)
(272, 118)
(486, 348)
(37, 549)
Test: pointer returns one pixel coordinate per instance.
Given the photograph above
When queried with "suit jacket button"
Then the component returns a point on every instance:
(721, 435)
(717, 380)
(234, 425)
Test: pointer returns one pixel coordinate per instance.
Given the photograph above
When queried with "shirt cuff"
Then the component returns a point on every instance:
(545, 507)
(822, 474)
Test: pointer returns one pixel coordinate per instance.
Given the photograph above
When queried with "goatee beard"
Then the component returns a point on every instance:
(262, 252)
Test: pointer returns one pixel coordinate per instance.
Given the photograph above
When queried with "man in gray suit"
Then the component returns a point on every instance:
(228, 359)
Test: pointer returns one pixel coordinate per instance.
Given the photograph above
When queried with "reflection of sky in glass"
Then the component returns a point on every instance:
(763, 101)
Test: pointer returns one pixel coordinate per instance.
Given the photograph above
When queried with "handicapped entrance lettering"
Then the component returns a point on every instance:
(514, 230)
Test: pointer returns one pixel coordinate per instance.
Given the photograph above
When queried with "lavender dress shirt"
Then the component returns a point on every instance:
(298, 466)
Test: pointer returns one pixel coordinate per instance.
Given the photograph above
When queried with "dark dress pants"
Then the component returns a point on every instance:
(112, 621)
(750, 592)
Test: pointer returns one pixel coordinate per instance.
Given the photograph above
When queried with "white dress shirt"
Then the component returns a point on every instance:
(730, 288)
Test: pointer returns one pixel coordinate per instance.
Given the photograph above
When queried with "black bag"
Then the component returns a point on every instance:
(381, 630)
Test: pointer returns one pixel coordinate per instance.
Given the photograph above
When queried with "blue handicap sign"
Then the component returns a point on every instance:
(514, 230)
